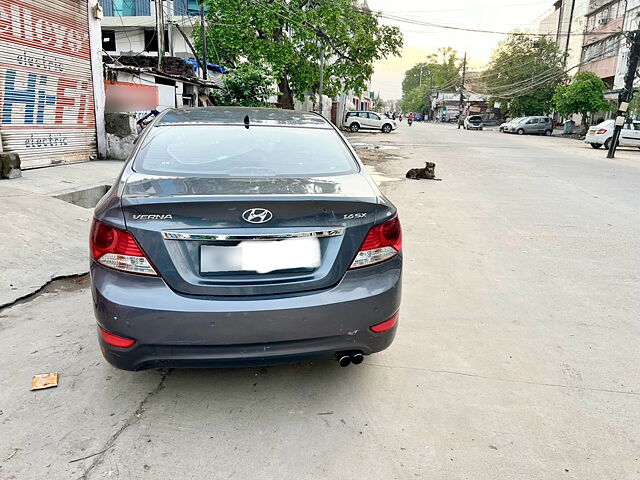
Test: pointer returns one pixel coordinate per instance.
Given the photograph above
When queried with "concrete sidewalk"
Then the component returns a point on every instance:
(44, 237)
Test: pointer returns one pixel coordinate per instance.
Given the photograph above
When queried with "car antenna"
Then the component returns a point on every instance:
(246, 122)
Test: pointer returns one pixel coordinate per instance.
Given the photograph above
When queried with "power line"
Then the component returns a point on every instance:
(479, 30)
(540, 81)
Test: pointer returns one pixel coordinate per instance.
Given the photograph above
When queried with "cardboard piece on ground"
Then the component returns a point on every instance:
(44, 380)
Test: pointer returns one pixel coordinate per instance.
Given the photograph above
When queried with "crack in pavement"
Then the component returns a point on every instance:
(32, 295)
(132, 420)
(507, 380)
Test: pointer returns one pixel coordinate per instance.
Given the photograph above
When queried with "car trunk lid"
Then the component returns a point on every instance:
(187, 225)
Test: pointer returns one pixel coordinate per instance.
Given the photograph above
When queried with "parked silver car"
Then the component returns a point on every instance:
(534, 124)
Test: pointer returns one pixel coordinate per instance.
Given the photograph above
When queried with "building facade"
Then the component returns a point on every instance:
(565, 24)
(603, 38)
(129, 27)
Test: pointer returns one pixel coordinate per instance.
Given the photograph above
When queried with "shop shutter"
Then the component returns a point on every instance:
(47, 110)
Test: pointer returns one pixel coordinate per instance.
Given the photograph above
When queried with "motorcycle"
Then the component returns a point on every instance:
(409, 122)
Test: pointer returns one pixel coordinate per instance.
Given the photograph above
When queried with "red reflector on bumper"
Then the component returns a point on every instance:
(115, 340)
(386, 325)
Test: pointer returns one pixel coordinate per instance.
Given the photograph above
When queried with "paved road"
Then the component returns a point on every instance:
(516, 358)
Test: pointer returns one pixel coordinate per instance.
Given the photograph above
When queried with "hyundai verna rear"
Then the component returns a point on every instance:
(240, 237)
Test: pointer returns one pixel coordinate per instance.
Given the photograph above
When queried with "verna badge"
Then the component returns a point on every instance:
(257, 215)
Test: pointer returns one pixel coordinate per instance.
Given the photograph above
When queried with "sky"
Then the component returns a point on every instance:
(420, 41)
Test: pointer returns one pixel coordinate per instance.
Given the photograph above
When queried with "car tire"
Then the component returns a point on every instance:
(548, 132)
(607, 143)
(597, 145)
(386, 128)
(354, 127)
(520, 131)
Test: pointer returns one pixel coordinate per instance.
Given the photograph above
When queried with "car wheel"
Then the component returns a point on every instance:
(548, 132)
(386, 128)
(607, 144)
(597, 145)
(520, 131)
(354, 127)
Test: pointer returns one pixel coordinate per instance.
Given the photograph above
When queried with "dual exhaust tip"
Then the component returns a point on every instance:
(347, 358)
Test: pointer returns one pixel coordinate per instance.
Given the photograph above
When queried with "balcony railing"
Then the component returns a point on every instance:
(126, 8)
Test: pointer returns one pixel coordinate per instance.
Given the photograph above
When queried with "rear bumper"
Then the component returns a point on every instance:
(174, 330)
(599, 139)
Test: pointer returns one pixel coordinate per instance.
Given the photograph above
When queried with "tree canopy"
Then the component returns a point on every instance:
(440, 70)
(246, 86)
(288, 38)
(584, 95)
(523, 74)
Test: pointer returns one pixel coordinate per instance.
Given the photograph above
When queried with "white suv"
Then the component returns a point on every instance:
(359, 120)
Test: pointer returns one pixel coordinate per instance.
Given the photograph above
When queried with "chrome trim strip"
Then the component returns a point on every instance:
(258, 236)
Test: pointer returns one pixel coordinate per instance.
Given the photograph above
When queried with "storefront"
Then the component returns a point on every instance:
(47, 112)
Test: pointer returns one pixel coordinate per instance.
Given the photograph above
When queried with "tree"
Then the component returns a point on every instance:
(584, 95)
(634, 105)
(523, 73)
(443, 67)
(415, 100)
(290, 36)
(246, 86)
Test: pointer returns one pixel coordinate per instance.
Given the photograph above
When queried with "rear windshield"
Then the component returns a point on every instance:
(475, 118)
(236, 151)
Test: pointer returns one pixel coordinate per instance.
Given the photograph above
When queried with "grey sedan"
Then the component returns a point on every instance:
(240, 237)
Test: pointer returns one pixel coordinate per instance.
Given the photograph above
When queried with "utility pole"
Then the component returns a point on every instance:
(464, 74)
(169, 21)
(421, 74)
(626, 94)
(569, 25)
(204, 40)
(160, 30)
(321, 74)
(430, 100)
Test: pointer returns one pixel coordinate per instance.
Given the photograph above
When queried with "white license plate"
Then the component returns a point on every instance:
(262, 256)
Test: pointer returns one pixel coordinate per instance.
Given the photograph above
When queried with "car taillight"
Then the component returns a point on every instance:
(382, 242)
(118, 249)
(601, 131)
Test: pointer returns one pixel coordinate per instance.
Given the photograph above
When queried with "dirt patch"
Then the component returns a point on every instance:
(371, 156)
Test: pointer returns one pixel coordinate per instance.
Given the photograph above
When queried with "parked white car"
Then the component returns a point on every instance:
(599, 135)
(362, 120)
(473, 122)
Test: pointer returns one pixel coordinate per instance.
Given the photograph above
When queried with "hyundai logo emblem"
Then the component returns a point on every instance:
(257, 215)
